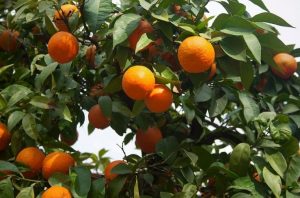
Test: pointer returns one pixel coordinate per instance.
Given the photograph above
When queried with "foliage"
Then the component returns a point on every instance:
(244, 106)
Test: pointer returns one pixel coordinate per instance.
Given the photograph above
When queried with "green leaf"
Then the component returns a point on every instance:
(143, 42)
(277, 162)
(290, 147)
(41, 102)
(59, 179)
(121, 169)
(280, 133)
(218, 106)
(97, 188)
(136, 188)
(27, 192)
(192, 156)
(260, 3)
(7, 166)
(124, 26)
(138, 107)
(271, 41)
(234, 47)
(206, 157)
(83, 180)
(50, 27)
(250, 107)
(18, 96)
(247, 74)
(3, 102)
(189, 190)
(241, 195)
(166, 195)
(119, 122)
(14, 118)
(4, 68)
(167, 146)
(203, 93)
(240, 159)
(217, 167)
(254, 46)
(147, 5)
(105, 103)
(270, 18)
(29, 126)
(46, 72)
(6, 188)
(114, 85)
(96, 11)
(66, 114)
(115, 186)
(273, 181)
(293, 170)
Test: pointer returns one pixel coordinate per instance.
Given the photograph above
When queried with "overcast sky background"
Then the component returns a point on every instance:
(108, 139)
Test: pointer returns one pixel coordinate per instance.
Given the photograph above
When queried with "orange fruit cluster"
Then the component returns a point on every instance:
(57, 192)
(138, 83)
(63, 47)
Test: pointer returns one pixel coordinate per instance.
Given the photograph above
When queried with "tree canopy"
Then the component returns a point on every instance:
(184, 85)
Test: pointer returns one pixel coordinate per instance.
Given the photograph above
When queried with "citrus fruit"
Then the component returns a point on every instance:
(9, 40)
(65, 12)
(4, 137)
(57, 192)
(69, 138)
(286, 65)
(137, 82)
(63, 47)
(57, 162)
(147, 140)
(97, 119)
(143, 27)
(107, 172)
(159, 99)
(196, 54)
(33, 158)
(90, 55)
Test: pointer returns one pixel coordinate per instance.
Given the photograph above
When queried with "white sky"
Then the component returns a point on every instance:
(108, 139)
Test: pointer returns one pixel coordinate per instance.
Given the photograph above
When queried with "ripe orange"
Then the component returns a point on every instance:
(286, 65)
(143, 27)
(65, 12)
(90, 55)
(33, 158)
(97, 119)
(69, 139)
(196, 54)
(63, 47)
(146, 140)
(107, 172)
(159, 99)
(8, 40)
(137, 82)
(57, 192)
(57, 162)
(4, 137)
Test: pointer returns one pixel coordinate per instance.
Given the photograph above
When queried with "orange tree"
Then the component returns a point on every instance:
(186, 86)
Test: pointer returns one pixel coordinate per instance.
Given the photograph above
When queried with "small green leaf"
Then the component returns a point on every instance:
(27, 192)
(46, 72)
(105, 103)
(192, 156)
(240, 159)
(254, 46)
(277, 162)
(250, 107)
(6, 188)
(41, 102)
(270, 18)
(273, 181)
(143, 42)
(235, 48)
(124, 26)
(218, 106)
(247, 74)
(138, 107)
(203, 93)
(29, 126)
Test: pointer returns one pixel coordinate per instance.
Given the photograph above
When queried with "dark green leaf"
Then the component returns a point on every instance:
(4, 166)
(83, 180)
(218, 106)
(234, 47)
(138, 107)
(260, 3)
(270, 18)
(121, 169)
(203, 93)
(97, 189)
(247, 74)
(105, 103)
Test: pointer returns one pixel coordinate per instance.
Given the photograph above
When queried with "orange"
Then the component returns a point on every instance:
(63, 47)
(97, 119)
(65, 12)
(90, 55)
(146, 140)
(57, 192)
(256, 177)
(4, 137)
(57, 162)
(286, 65)
(143, 27)
(33, 158)
(159, 99)
(107, 172)
(9, 40)
(137, 82)
(196, 54)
